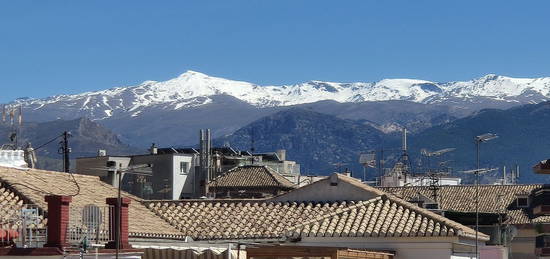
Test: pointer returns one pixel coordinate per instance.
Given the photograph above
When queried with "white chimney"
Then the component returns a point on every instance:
(153, 150)
(404, 140)
(281, 153)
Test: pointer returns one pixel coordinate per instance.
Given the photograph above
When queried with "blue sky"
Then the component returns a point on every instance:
(64, 47)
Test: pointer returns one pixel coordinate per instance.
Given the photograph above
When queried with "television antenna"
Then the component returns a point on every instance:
(139, 169)
(434, 176)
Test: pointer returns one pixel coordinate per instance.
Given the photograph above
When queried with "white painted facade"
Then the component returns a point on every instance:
(13, 159)
(401, 180)
(183, 175)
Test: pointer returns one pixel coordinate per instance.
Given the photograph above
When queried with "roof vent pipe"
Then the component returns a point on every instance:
(281, 153)
(153, 150)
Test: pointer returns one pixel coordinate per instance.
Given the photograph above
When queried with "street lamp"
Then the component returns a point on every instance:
(478, 140)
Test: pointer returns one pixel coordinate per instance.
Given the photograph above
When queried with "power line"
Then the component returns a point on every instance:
(52, 140)
(65, 148)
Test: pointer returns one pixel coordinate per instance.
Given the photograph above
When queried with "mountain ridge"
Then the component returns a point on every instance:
(193, 89)
(324, 143)
(318, 141)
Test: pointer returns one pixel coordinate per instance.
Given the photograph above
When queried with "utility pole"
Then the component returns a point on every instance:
(65, 150)
(478, 140)
(477, 196)
(381, 164)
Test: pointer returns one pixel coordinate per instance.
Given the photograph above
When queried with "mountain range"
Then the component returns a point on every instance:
(170, 112)
(320, 123)
(319, 142)
(192, 89)
(325, 143)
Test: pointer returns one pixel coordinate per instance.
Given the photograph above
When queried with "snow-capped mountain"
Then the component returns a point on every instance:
(192, 89)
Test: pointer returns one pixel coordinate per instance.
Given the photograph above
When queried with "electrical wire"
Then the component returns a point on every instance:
(77, 185)
(52, 140)
(47, 192)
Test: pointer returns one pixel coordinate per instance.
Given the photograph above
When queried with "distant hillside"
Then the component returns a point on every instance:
(317, 141)
(523, 139)
(391, 116)
(87, 138)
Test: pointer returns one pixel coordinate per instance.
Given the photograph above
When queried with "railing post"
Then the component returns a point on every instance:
(124, 243)
(58, 220)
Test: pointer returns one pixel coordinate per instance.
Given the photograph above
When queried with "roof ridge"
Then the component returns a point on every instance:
(337, 212)
(462, 186)
(223, 175)
(266, 201)
(266, 174)
(275, 178)
(434, 216)
(359, 184)
(459, 228)
(35, 170)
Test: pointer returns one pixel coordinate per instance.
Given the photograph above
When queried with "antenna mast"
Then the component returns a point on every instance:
(405, 155)
(252, 148)
(434, 175)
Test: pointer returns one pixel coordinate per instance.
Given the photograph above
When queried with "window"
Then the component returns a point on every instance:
(184, 168)
(522, 202)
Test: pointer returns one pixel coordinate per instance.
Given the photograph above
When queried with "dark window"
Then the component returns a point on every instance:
(522, 202)
(184, 168)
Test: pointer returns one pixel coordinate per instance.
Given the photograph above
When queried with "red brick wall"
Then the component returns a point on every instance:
(125, 203)
(58, 220)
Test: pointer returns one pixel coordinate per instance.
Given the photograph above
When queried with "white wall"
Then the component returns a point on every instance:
(182, 183)
(323, 191)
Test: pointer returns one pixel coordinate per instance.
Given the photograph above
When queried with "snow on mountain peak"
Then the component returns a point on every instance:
(191, 73)
(193, 88)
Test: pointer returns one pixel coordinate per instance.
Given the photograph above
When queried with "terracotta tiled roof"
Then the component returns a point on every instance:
(383, 216)
(354, 185)
(33, 185)
(9, 198)
(239, 219)
(10, 204)
(251, 176)
(461, 198)
(262, 219)
(542, 219)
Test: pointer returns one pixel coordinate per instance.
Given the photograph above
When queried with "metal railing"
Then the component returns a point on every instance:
(22, 226)
(89, 225)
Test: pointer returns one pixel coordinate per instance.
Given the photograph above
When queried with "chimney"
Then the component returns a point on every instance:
(205, 161)
(281, 153)
(404, 140)
(153, 150)
(113, 223)
(347, 172)
(58, 220)
(504, 175)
